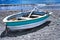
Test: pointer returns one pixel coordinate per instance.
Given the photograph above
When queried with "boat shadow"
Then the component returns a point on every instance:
(24, 32)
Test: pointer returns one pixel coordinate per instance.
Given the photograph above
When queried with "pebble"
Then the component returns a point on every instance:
(47, 33)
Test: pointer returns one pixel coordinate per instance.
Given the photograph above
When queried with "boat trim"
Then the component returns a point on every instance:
(26, 22)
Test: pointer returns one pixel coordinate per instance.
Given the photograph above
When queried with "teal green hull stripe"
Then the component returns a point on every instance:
(26, 22)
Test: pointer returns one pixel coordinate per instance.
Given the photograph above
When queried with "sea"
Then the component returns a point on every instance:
(18, 2)
(28, 1)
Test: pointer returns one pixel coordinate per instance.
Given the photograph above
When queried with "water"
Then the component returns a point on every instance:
(27, 7)
(29, 1)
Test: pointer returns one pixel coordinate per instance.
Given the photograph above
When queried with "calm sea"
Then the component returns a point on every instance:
(29, 1)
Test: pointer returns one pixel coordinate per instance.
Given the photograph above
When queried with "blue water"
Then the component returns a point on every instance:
(29, 1)
(16, 8)
(27, 7)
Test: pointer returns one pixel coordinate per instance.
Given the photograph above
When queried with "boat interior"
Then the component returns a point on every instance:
(24, 16)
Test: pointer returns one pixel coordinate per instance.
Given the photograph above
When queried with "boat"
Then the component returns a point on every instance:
(22, 20)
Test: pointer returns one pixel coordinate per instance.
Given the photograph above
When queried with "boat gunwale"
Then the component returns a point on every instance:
(26, 22)
(5, 19)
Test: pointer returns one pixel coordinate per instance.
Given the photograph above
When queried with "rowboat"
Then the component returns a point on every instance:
(22, 21)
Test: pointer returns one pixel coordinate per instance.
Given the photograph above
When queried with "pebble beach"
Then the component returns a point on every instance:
(47, 31)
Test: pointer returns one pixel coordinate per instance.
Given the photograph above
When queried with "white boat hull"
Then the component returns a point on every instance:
(27, 26)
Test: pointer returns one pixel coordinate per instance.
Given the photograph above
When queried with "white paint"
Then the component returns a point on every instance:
(32, 25)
